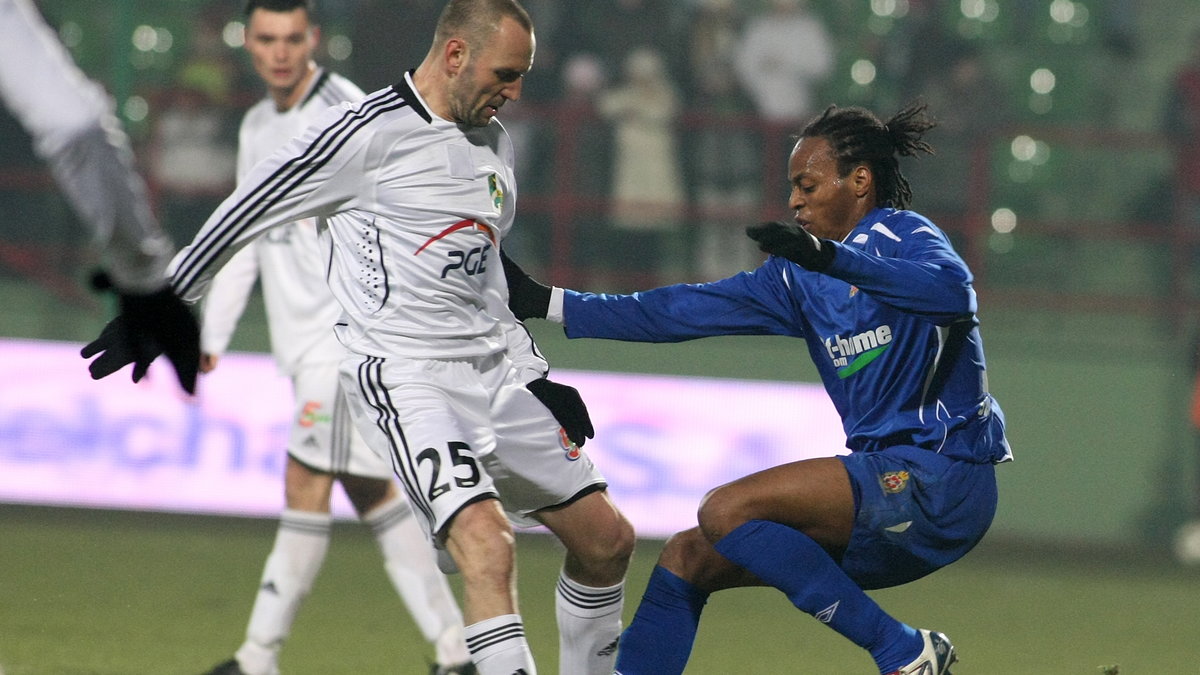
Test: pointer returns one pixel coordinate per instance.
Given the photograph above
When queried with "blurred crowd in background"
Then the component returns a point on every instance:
(652, 131)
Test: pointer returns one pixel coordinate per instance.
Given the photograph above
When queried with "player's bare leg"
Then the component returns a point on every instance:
(480, 539)
(789, 526)
(591, 587)
(411, 565)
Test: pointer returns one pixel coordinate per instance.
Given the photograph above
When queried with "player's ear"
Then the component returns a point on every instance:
(314, 37)
(455, 54)
(862, 180)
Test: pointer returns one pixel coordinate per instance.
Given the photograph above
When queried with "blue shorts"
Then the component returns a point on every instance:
(915, 512)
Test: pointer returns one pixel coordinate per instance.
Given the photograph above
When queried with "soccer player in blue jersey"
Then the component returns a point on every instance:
(887, 312)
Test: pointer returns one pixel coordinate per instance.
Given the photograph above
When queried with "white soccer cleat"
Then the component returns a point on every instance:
(935, 659)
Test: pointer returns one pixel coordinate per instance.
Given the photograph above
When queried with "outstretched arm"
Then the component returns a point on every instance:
(75, 131)
(290, 185)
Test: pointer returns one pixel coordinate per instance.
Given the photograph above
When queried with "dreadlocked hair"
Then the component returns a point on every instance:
(857, 137)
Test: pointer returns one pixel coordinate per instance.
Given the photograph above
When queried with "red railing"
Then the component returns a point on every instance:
(565, 201)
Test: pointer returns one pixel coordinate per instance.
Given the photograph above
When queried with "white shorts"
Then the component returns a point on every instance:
(323, 435)
(465, 429)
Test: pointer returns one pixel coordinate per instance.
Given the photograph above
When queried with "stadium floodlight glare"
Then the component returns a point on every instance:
(1068, 13)
(981, 10)
(71, 34)
(1023, 148)
(150, 39)
(1004, 220)
(889, 8)
(339, 47)
(862, 72)
(1042, 81)
(136, 109)
(1062, 11)
(144, 38)
(234, 34)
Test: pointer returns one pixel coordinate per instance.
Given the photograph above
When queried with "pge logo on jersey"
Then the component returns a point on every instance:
(471, 262)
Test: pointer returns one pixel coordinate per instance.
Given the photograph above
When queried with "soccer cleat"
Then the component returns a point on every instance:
(229, 667)
(467, 668)
(935, 659)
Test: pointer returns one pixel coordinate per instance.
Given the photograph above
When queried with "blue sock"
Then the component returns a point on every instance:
(659, 639)
(791, 561)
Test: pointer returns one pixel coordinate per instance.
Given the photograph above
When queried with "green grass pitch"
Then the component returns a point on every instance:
(86, 592)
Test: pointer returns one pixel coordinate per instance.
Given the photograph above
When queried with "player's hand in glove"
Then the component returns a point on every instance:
(789, 240)
(526, 297)
(567, 407)
(150, 324)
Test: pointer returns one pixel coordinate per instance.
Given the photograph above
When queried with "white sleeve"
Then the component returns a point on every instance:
(554, 312)
(523, 351)
(317, 174)
(226, 300)
(74, 130)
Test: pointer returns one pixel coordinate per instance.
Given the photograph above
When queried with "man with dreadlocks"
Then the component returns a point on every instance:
(887, 310)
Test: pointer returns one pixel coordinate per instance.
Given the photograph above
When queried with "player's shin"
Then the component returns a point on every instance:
(589, 624)
(411, 565)
(660, 637)
(291, 568)
(791, 561)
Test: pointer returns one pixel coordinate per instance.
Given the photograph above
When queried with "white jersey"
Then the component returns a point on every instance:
(411, 209)
(73, 128)
(301, 311)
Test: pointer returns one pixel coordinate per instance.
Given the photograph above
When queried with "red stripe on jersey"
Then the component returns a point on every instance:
(455, 228)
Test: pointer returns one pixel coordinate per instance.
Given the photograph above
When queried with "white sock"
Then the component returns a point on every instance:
(410, 562)
(498, 646)
(589, 624)
(300, 546)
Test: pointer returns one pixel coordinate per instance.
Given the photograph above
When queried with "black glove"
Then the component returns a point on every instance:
(526, 297)
(567, 407)
(789, 240)
(149, 325)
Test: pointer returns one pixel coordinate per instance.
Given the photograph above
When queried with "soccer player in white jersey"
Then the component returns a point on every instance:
(413, 191)
(281, 36)
(75, 132)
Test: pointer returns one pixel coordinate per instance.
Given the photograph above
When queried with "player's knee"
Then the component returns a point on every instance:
(610, 546)
(365, 493)
(621, 541)
(680, 549)
(482, 544)
(687, 555)
(721, 511)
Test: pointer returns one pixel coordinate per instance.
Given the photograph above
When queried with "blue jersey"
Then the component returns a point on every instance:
(890, 324)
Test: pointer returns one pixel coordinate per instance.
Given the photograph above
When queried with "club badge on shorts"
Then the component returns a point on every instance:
(893, 482)
(570, 450)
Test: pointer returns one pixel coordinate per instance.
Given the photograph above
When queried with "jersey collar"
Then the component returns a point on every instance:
(409, 93)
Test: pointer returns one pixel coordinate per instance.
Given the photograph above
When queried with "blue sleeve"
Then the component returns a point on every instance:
(920, 274)
(748, 303)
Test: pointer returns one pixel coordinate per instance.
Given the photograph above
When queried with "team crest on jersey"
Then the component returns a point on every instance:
(853, 290)
(495, 192)
(570, 450)
(893, 482)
